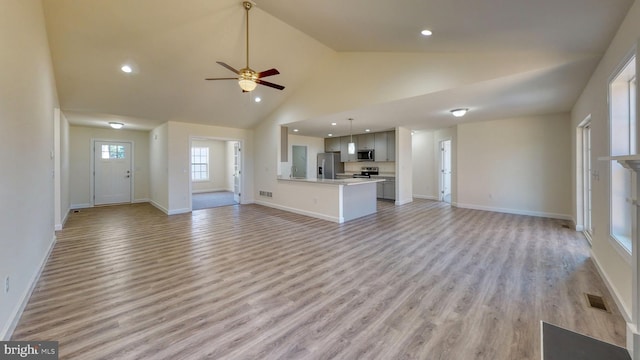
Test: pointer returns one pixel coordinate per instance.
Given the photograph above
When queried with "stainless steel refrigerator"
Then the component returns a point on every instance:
(329, 165)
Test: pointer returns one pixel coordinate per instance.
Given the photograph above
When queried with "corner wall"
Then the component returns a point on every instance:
(519, 166)
(27, 102)
(613, 265)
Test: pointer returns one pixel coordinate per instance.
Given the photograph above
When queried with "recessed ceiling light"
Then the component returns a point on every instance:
(295, 130)
(459, 112)
(257, 99)
(426, 32)
(367, 130)
(334, 124)
(116, 125)
(126, 68)
(330, 134)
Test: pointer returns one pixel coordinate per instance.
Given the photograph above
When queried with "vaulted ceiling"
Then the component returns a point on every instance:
(337, 59)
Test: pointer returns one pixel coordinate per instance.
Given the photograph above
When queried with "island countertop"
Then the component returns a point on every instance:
(349, 181)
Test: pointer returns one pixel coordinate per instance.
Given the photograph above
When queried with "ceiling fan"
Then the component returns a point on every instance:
(247, 78)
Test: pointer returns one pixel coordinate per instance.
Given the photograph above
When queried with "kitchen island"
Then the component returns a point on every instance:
(337, 200)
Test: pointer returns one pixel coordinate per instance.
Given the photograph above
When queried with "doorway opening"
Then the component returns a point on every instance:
(215, 172)
(112, 175)
(445, 171)
(587, 174)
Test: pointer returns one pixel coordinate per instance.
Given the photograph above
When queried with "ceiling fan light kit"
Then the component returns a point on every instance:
(247, 78)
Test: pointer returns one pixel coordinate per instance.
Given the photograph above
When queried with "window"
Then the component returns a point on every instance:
(113, 152)
(622, 107)
(199, 163)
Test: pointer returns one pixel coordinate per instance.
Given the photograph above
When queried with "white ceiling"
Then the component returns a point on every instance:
(173, 45)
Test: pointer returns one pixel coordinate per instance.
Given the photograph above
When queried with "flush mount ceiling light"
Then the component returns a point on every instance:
(116, 125)
(295, 130)
(351, 147)
(329, 135)
(334, 124)
(126, 68)
(459, 112)
(257, 99)
(367, 130)
(426, 32)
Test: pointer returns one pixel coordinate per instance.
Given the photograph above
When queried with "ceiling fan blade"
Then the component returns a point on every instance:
(269, 72)
(221, 79)
(228, 67)
(266, 83)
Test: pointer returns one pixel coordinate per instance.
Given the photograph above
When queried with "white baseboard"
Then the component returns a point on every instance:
(59, 227)
(626, 313)
(159, 207)
(335, 219)
(405, 201)
(209, 190)
(80, 206)
(514, 211)
(139, 201)
(7, 332)
(179, 211)
(426, 197)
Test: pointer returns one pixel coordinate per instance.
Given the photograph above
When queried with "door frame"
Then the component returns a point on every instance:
(440, 168)
(215, 138)
(92, 168)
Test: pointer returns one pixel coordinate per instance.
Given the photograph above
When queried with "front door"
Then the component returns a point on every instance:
(112, 172)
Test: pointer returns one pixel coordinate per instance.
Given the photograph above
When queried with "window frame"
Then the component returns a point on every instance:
(206, 164)
(623, 246)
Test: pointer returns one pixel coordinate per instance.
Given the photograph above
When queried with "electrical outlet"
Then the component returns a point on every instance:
(6, 285)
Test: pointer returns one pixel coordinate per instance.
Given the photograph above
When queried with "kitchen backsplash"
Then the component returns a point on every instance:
(384, 167)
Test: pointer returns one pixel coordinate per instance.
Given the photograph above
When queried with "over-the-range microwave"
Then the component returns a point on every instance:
(365, 155)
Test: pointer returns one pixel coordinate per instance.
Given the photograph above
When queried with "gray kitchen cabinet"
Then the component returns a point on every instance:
(391, 146)
(386, 189)
(344, 149)
(380, 153)
(332, 144)
(389, 189)
(365, 142)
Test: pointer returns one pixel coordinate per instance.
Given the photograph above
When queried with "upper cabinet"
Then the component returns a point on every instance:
(344, 149)
(366, 141)
(385, 146)
(332, 144)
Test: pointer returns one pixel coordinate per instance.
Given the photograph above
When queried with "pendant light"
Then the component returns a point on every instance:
(351, 147)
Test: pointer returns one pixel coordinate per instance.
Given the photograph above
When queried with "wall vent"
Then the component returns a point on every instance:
(266, 193)
(597, 302)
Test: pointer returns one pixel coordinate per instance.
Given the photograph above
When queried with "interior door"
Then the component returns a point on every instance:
(112, 172)
(299, 164)
(445, 170)
(237, 159)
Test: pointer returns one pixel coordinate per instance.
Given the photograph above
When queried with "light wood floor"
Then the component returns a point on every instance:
(418, 281)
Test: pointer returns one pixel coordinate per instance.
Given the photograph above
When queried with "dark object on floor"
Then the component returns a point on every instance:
(562, 344)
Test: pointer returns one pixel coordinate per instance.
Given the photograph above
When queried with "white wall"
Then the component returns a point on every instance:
(614, 265)
(516, 166)
(62, 168)
(158, 167)
(218, 176)
(81, 153)
(27, 101)
(404, 166)
(179, 136)
(425, 185)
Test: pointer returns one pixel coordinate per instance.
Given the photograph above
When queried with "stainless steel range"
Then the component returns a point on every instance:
(367, 171)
